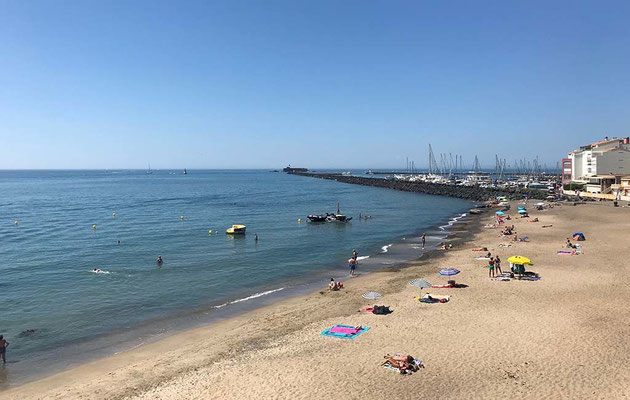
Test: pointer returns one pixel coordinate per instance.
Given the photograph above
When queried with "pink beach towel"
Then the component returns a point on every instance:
(345, 331)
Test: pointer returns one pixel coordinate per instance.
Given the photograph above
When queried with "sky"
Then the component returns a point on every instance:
(319, 84)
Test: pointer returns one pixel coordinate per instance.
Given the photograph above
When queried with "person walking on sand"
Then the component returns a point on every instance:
(424, 239)
(491, 268)
(3, 349)
(497, 265)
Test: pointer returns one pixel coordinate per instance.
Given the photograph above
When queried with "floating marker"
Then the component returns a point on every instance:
(94, 226)
(114, 214)
(15, 223)
(299, 220)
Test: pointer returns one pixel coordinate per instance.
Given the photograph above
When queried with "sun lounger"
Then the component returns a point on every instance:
(345, 331)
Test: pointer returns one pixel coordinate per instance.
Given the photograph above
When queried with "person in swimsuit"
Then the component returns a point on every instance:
(159, 260)
(491, 267)
(352, 263)
(355, 255)
(424, 239)
(3, 349)
(497, 265)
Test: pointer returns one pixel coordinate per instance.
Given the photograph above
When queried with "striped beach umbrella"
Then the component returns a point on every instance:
(420, 283)
(372, 295)
(449, 272)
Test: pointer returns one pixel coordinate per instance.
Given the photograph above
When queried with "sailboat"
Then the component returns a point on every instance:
(149, 170)
(185, 172)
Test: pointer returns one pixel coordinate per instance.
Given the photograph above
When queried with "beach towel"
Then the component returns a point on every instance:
(565, 253)
(482, 258)
(442, 286)
(414, 366)
(345, 331)
(367, 309)
(502, 278)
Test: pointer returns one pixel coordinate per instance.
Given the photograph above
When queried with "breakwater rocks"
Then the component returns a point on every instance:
(475, 193)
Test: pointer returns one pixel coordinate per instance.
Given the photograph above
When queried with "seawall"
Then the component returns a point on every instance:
(476, 193)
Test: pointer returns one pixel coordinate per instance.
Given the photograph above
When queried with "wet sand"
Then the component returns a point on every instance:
(562, 337)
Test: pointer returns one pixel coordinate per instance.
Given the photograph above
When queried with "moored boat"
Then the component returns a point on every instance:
(236, 230)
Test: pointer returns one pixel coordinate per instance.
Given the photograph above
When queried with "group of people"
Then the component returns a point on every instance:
(494, 264)
(352, 262)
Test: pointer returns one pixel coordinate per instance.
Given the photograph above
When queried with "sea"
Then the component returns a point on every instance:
(57, 227)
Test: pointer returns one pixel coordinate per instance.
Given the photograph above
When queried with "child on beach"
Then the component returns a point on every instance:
(491, 267)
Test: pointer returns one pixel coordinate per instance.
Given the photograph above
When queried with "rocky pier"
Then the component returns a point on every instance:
(475, 193)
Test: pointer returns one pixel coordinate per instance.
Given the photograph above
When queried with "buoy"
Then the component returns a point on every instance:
(182, 217)
(114, 214)
(94, 226)
(299, 220)
(210, 232)
(15, 223)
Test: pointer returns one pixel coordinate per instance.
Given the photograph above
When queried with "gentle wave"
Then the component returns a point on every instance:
(385, 249)
(362, 258)
(253, 296)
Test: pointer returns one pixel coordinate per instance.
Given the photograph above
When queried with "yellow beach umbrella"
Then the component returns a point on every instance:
(519, 260)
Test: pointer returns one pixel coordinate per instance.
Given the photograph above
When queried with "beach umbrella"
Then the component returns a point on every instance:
(420, 283)
(519, 260)
(522, 211)
(499, 213)
(448, 272)
(539, 204)
(372, 295)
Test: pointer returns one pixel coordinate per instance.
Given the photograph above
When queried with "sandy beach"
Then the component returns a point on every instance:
(562, 337)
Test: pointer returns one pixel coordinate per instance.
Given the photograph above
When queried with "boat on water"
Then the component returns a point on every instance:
(148, 171)
(236, 230)
(185, 172)
(329, 217)
(369, 172)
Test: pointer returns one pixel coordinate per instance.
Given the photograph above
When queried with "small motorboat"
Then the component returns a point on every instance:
(337, 218)
(317, 218)
(236, 230)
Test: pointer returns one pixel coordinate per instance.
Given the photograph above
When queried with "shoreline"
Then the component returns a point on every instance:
(156, 330)
(93, 368)
(561, 336)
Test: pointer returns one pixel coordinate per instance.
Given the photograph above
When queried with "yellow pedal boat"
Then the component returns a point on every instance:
(236, 230)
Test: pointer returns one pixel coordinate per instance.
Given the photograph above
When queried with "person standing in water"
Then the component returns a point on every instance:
(3, 349)
(424, 239)
(355, 255)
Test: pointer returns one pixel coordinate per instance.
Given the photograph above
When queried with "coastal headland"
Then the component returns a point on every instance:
(563, 336)
(476, 193)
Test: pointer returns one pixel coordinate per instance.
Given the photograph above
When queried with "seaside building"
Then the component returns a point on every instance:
(599, 166)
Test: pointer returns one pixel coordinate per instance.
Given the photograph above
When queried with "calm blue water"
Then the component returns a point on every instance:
(45, 261)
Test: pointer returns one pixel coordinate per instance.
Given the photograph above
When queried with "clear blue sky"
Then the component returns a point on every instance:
(247, 84)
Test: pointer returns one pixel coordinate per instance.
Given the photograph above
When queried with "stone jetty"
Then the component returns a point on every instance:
(475, 193)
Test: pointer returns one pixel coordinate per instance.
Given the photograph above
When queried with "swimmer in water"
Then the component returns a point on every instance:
(96, 271)
(256, 237)
(159, 260)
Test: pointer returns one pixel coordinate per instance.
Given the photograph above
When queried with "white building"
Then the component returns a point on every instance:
(606, 160)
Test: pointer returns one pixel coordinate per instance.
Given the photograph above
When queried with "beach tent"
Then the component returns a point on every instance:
(579, 236)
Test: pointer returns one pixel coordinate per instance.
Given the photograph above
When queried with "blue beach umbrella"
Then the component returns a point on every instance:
(449, 272)
(500, 213)
(522, 211)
